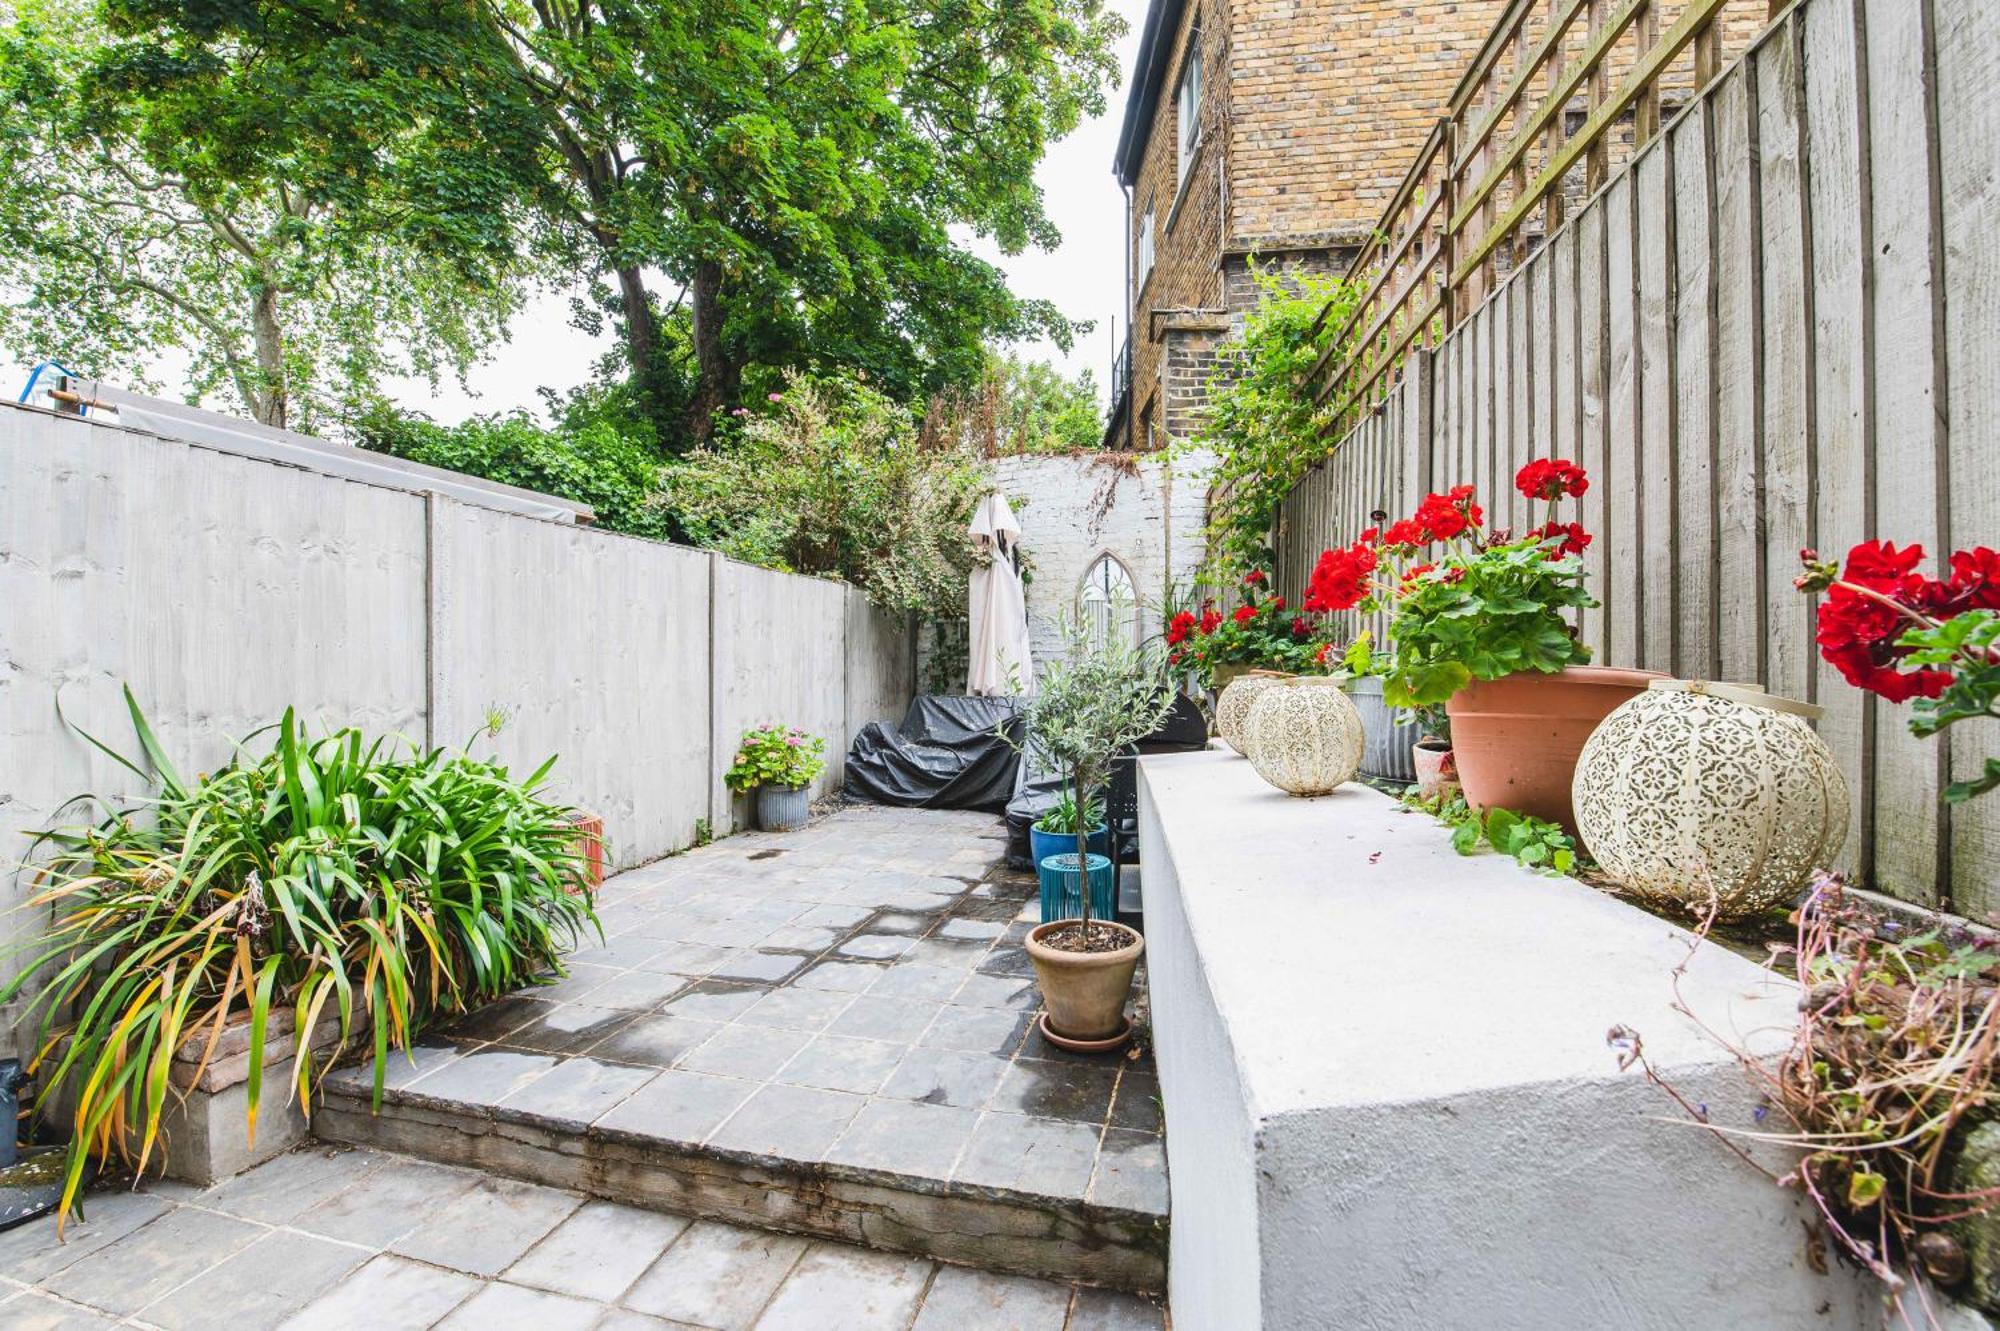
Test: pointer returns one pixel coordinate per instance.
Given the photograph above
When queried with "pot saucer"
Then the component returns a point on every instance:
(1105, 1045)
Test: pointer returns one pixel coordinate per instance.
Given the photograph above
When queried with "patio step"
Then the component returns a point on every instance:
(827, 1033)
(1021, 1230)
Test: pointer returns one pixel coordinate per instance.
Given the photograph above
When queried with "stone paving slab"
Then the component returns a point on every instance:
(452, 1248)
(843, 1009)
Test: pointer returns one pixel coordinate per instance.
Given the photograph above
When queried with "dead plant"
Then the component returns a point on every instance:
(1892, 1057)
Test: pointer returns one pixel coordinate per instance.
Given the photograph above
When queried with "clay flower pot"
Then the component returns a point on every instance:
(1436, 771)
(1515, 739)
(1084, 991)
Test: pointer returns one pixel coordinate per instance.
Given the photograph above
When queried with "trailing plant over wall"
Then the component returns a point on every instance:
(338, 877)
(596, 464)
(830, 476)
(1262, 421)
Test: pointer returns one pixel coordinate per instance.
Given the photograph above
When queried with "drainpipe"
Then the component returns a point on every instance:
(1131, 321)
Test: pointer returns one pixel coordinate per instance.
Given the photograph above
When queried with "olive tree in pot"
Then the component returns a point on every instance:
(1103, 697)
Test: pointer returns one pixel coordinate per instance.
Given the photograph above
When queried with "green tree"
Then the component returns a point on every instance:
(1043, 411)
(291, 212)
(803, 172)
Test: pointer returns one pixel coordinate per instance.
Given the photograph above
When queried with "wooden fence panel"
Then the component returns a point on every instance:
(1623, 593)
(1966, 49)
(1839, 280)
(1786, 326)
(1906, 431)
(1739, 585)
(1773, 329)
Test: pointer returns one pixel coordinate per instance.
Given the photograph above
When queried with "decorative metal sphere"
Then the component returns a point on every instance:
(1304, 735)
(1693, 791)
(1234, 704)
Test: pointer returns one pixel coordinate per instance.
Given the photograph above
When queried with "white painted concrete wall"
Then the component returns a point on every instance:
(1389, 1102)
(223, 589)
(1072, 509)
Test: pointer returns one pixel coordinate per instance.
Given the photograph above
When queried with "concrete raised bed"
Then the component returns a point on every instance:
(1388, 1098)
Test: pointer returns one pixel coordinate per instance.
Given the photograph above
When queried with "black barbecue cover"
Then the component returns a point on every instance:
(951, 752)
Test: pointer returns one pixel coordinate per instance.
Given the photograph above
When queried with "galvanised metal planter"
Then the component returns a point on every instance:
(1387, 750)
(782, 808)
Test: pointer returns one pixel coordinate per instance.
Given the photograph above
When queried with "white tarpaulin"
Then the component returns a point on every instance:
(999, 663)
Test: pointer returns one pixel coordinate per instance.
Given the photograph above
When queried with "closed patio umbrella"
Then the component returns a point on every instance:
(999, 663)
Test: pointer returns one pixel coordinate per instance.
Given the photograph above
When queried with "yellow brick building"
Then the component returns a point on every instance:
(1274, 128)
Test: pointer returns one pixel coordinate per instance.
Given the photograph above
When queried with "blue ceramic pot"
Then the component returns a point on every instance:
(1060, 899)
(1042, 844)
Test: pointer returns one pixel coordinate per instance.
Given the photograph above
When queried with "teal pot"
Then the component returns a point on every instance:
(1388, 750)
(782, 808)
(1042, 844)
(1060, 899)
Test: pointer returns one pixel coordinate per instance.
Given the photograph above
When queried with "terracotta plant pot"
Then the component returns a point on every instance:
(1436, 769)
(1085, 991)
(1515, 739)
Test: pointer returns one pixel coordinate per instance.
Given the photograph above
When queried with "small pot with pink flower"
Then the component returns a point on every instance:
(1482, 625)
(779, 764)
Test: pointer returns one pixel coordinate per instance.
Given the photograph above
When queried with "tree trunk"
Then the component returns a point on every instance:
(717, 377)
(269, 404)
(642, 344)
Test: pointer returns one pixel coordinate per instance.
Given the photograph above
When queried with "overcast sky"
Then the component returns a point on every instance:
(1084, 277)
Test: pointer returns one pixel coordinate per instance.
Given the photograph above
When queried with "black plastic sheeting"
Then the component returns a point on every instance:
(951, 752)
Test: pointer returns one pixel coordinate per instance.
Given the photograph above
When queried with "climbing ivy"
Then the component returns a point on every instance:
(1262, 421)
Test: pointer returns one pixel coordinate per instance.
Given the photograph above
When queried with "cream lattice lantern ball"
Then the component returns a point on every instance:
(1695, 788)
(1234, 704)
(1303, 735)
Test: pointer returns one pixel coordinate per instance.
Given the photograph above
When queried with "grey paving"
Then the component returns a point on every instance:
(495, 1255)
(792, 997)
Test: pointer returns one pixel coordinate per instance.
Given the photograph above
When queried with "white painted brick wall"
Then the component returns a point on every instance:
(1072, 509)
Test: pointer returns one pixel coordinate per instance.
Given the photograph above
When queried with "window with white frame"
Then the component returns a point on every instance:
(1190, 104)
(1145, 246)
(1107, 602)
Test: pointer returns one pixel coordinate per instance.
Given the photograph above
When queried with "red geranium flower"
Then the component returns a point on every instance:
(1180, 627)
(1571, 535)
(1551, 478)
(1254, 578)
(1277, 604)
(1857, 634)
(1300, 628)
(1404, 533)
(1340, 579)
(1416, 571)
(1245, 613)
(1443, 516)
(1975, 578)
(1211, 620)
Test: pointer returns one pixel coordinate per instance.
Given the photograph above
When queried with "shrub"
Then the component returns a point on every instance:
(833, 478)
(776, 756)
(338, 875)
(593, 463)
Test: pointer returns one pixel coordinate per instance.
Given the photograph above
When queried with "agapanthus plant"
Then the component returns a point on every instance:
(1466, 603)
(1934, 642)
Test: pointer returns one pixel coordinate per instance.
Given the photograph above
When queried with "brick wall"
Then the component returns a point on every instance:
(1187, 219)
(1329, 100)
